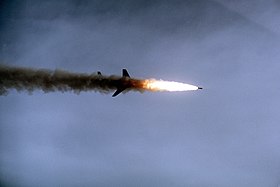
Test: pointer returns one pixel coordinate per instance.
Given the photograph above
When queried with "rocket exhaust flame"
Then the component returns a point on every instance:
(50, 81)
(160, 85)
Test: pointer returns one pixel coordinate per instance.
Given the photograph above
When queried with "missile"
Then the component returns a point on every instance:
(126, 82)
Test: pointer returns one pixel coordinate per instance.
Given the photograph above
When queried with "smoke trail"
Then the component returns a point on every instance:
(49, 81)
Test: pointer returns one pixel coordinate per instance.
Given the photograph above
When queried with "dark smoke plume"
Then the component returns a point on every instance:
(49, 81)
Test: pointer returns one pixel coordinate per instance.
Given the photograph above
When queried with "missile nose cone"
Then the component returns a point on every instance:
(199, 88)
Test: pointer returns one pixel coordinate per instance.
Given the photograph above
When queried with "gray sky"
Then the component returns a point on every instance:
(224, 135)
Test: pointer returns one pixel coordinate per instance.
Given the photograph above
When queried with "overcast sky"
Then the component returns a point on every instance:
(224, 135)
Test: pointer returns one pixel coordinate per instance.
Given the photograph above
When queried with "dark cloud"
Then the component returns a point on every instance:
(226, 135)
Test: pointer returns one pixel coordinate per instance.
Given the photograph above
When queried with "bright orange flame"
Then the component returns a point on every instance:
(160, 85)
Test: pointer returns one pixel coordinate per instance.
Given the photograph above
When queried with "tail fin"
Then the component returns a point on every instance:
(125, 73)
(118, 91)
(121, 88)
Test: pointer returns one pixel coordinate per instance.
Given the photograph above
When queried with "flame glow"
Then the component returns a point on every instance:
(160, 85)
